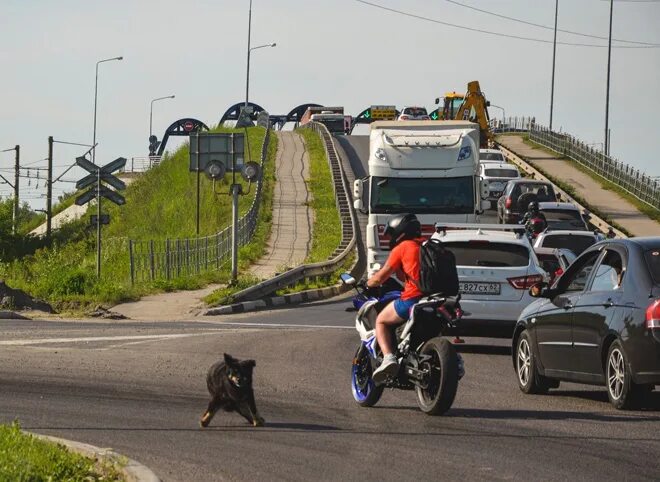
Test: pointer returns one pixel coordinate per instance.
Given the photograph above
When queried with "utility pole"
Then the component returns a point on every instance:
(607, 93)
(49, 189)
(17, 166)
(554, 53)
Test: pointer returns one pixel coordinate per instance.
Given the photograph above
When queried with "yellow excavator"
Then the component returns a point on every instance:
(472, 106)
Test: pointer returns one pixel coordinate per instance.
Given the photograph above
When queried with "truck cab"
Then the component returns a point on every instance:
(429, 168)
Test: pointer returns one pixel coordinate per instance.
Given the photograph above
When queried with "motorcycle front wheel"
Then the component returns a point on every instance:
(437, 395)
(365, 391)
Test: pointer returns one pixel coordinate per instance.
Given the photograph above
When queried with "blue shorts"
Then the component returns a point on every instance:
(402, 307)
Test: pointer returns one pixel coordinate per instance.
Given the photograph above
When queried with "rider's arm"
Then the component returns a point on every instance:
(380, 276)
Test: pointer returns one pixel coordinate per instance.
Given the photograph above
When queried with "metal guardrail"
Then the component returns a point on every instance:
(141, 164)
(632, 180)
(596, 221)
(349, 225)
(172, 258)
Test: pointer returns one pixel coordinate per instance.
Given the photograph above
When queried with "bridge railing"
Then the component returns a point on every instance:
(141, 164)
(349, 225)
(172, 258)
(632, 180)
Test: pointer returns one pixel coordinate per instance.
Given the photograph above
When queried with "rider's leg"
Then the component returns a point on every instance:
(384, 322)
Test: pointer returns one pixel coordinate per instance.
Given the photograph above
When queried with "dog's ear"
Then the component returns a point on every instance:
(230, 360)
(249, 363)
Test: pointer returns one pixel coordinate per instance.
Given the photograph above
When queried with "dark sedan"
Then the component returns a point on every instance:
(599, 323)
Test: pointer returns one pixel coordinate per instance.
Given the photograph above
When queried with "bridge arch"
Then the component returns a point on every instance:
(233, 112)
(181, 127)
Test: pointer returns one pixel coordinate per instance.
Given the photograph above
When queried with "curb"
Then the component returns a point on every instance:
(11, 315)
(133, 471)
(276, 301)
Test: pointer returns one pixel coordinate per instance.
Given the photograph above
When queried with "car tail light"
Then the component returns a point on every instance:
(559, 272)
(653, 315)
(508, 203)
(525, 282)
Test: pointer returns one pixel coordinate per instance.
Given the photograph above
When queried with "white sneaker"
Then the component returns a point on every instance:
(388, 368)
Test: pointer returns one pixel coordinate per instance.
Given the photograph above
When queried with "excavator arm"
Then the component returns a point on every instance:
(474, 109)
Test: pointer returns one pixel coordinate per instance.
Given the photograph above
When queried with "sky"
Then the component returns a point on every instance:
(331, 52)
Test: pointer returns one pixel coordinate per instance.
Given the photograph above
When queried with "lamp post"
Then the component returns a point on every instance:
(247, 77)
(96, 90)
(606, 144)
(151, 111)
(554, 53)
(503, 113)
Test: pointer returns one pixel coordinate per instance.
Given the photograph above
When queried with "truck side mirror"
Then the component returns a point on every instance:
(357, 204)
(437, 100)
(357, 189)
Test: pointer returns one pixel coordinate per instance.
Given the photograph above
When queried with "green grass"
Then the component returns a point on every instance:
(159, 204)
(24, 457)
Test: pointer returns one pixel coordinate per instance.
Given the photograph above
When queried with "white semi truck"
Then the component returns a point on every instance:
(430, 168)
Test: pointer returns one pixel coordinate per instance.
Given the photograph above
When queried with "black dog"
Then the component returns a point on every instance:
(230, 386)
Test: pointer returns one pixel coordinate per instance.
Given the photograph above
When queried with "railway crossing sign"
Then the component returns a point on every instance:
(98, 174)
(105, 219)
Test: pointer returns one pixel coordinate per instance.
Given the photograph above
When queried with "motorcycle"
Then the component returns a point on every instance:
(428, 363)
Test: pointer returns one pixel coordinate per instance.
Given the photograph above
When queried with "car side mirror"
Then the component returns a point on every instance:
(539, 290)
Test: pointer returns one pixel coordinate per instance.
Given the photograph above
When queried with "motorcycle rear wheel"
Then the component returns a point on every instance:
(439, 394)
(365, 391)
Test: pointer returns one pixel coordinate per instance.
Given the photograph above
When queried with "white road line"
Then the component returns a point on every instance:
(144, 338)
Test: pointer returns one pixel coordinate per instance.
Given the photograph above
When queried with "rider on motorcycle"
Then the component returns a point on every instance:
(405, 233)
(534, 220)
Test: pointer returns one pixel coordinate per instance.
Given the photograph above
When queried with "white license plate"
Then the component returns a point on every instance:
(469, 288)
(496, 186)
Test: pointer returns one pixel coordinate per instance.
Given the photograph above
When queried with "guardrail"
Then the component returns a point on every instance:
(171, 258)
(632, 180)
(141, 164)
(349, 225)
(596, 221)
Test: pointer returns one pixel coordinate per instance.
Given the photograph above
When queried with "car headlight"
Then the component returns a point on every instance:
(380, 154)
(464, 153)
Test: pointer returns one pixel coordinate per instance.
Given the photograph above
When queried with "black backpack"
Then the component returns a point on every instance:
(437, 269)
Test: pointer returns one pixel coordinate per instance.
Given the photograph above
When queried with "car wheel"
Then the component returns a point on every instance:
(621, 390)
(529, 380)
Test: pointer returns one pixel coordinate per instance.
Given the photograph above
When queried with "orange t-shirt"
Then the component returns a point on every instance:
(404, 260)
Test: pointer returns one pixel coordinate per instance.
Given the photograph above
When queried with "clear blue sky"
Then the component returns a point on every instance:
(333, 52)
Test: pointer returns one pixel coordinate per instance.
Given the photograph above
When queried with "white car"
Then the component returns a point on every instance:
(563, 216)
(496, 267)
(497, 174)
(491, 155)
(414, 113)
(576, 241)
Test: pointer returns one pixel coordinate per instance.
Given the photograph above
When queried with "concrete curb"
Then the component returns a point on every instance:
(11, 315)
(133, 471)
(276, 301)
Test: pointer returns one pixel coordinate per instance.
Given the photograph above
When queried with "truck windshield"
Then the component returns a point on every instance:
(422, 195)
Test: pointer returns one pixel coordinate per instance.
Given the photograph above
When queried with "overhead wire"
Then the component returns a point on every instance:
(498, 34)
(547, 27)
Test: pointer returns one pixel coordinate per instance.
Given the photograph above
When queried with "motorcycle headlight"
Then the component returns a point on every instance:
(380, 154)
(464, 153)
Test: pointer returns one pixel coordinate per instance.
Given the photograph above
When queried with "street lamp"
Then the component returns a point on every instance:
(151, 111)
(503, 113)
(96, 90)
(247, 79)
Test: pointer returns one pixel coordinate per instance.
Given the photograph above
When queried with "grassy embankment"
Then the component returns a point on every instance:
(604, 183)
(159, 204)
(27, 458)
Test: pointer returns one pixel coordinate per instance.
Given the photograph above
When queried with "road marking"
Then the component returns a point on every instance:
(279, 325)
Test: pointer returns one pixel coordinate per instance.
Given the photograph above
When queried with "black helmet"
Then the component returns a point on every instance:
(401, 227)
(533, 206)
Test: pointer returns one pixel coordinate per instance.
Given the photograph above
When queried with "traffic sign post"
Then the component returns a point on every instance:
(96, 175)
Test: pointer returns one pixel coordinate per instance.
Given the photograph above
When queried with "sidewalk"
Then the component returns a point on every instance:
(290, 237)
(609, 203)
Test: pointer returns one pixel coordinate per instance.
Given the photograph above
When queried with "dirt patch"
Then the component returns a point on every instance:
(13, 299)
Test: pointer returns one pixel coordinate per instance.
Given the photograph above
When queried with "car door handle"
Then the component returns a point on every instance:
(568, 306)
(609, 303)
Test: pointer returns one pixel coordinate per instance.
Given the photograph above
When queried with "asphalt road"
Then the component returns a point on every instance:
(139, 387)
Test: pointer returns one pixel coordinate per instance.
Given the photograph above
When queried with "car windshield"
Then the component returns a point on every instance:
(491, 156)
(487, 254)
(564, 219)
(415, 111)
(431, 195)
(543, 192)
(575, 243)
(653, 261)
(501, 173)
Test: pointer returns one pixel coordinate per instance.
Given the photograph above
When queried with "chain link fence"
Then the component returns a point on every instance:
(173, 258)
(632, 180)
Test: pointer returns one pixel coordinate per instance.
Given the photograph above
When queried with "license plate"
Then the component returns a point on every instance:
(496, 186)
(469, 288)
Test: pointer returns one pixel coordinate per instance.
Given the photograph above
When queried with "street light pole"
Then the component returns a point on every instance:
(247, 76)
(606, 148)
(503, 112)
(151, 112)
(96, 91)
(554, 54)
